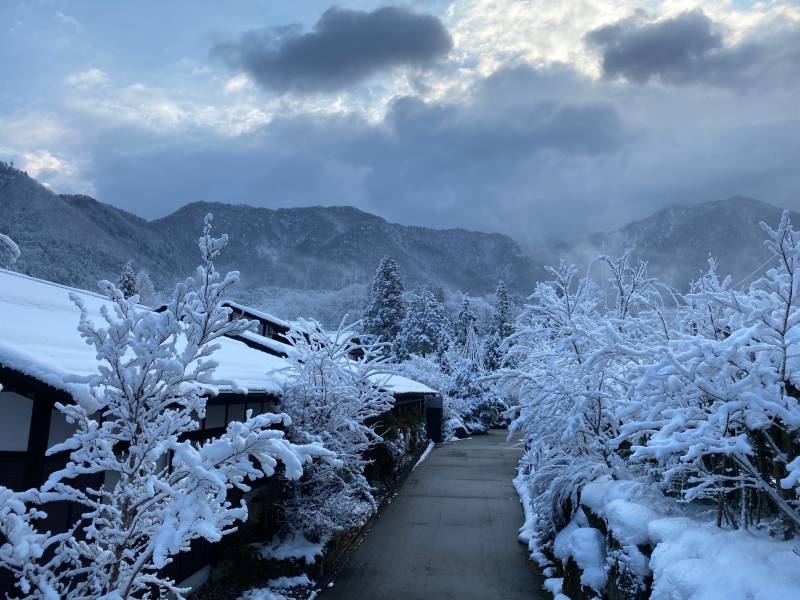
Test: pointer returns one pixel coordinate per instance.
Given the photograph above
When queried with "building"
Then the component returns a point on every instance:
(43, 357)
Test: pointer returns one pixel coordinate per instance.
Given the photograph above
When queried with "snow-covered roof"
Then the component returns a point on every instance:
(398, 384)
(266, 342)
(258, 314)
(39, 337)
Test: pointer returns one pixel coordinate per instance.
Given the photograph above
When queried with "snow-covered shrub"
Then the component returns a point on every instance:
(718, 409)
(571, 379)
(695, 403)
(161, 491)
(336, 401)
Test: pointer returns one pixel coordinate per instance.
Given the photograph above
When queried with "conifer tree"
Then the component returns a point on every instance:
(501, 327)
(126, 282)
(424, 330)
(464, 319)
(9, 251)
(385, 309)
(145, 288)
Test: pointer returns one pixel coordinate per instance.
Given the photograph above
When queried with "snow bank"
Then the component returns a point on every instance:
(275, 587)
(528, 529)
(586, 546)
(295, 546)
(690, 559)
(424, 455)
(696, 560)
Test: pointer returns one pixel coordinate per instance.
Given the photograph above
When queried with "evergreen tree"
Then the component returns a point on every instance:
(145, 289)
(126, 282)
(425, 329)
(9, 251)
(385, 308)
(501, 327)
(464, 319)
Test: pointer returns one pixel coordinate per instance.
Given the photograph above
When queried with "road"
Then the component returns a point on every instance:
(451, 532)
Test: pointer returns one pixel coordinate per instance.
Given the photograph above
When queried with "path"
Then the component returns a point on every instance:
(450, 533)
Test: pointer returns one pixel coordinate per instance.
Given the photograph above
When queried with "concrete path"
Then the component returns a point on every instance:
(451, 532)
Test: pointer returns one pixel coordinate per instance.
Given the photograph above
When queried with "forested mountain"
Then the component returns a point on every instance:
(677, 240)
(76, 240)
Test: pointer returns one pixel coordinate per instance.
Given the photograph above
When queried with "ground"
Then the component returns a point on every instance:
(451, 532)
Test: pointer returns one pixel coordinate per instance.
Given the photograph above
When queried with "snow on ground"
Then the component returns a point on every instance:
(39, 337)
(295, 546)
(691, 557)
(275, 587)
(696, 560)
(424, 455)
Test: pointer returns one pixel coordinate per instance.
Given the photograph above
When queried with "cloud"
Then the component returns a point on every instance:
(344, 48)
(691, 48)
(88, 79)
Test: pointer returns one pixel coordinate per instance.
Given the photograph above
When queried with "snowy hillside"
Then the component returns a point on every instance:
(76, 240)
(677, 240)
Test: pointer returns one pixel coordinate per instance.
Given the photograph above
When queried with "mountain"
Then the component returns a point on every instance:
(677, 240)
(77, 240)
(318, 259)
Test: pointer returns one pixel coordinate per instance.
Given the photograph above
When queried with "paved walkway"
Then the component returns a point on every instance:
(450, 533)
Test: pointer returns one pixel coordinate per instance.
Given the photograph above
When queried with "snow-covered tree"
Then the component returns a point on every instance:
(9, 251)
(466, 318)
(501, 327)
(333, 400)
(145, 289)
(385, 308)
(718, 409)
(126, 282)
(161, 491)
(425, 330)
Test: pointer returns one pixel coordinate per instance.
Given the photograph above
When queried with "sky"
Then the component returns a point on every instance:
(538, 119)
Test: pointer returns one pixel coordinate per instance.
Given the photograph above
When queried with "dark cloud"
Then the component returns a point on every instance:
(470, 163)
(344, 47)
(690, 48)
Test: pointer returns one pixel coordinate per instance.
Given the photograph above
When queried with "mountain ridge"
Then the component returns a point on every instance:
(76, 240)
(307, 248)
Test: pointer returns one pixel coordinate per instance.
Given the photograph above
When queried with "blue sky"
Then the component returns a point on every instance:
(537, 119)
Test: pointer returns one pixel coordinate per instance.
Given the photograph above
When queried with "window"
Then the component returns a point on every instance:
(235, 412)
(215, 416)
(15, 425)
(60, 430)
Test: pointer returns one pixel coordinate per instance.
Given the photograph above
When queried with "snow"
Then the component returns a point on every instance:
(398, 384)
(424, 455)
(274, 586)
(294, 546)
(39, 337)
(528, 529)
(699, 561)
(258, 314)
(586, 546)
(267, 342)
(691, 558)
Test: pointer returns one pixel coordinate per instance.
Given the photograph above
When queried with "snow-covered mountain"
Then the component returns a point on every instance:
(677, 240)
(76, 240)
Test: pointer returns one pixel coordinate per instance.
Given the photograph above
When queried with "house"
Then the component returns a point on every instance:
(41, 353)
(43, 357)
(271, 337)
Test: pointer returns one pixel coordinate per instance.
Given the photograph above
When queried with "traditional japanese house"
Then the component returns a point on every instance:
(42, 358)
